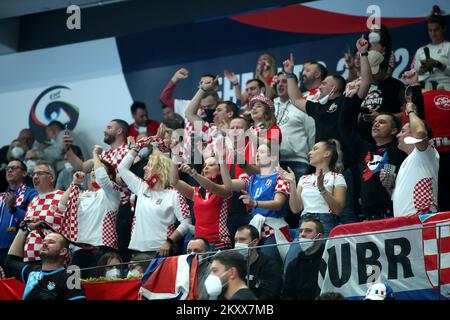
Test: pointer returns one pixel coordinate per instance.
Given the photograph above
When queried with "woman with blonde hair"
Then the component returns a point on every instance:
(320, 195)
(158, 206)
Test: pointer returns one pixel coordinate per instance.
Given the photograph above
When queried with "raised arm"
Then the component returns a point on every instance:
(102, 178)
(78, 178)
(234, 185)
(418, 128)
(76, 162)
(294, 92)
(182, 187)
(215, 188)
(415, 96)
(191, 112)
(235, 82)
(366, 74)
(166, 96)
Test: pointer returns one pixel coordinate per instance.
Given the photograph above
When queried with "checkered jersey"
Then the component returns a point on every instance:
(437, 240)
(45, 207)
(423, 196)
(115, 156)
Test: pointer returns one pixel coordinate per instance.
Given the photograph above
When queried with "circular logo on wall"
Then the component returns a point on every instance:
(53, 104)
(442, 102)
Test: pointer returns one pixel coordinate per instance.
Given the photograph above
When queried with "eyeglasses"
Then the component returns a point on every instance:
(40, 173)
(13, 168)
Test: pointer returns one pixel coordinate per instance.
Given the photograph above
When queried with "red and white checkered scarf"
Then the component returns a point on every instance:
(69, 226)
(20, 193)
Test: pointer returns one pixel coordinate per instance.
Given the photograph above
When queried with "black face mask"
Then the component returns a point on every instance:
(210, 115)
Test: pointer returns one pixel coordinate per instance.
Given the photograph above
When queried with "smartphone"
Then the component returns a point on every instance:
(390, 171)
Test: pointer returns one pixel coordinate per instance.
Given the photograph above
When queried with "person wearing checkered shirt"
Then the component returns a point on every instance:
(90, 215)
(158, 206)
(219, 115)
(267, 193)
(13, 205)
(416, 185)
(115, 135)
(47, 281)
(212, 202)
(43, 206)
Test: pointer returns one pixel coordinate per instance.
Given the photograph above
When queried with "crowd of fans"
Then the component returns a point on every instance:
(291, 160)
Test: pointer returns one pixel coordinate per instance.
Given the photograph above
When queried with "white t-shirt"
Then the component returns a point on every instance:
(156, 211)
(313, 201)
(416, 187)
(440, 52)
(97, 213)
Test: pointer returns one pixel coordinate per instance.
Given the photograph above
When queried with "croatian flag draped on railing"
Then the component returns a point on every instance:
(171, 278)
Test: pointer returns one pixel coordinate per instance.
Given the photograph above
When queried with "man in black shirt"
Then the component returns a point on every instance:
(371, 157)
(325, 112)
(265, 274)
(386, 94)
(303, 271)
(49, 281)
(226, 281)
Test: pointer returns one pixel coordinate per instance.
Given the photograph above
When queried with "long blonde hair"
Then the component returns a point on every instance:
(163, 164)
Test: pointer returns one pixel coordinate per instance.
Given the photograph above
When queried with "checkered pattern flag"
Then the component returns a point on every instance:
(69, 227)
(436, 251)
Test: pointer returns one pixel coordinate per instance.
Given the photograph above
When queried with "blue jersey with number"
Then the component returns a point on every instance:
(264, 189)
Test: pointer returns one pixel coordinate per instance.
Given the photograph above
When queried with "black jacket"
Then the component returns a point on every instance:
(301, 277)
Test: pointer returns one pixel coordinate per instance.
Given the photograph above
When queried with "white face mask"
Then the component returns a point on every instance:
(325, 99)
(113, 273)
(144, 152)
(68, 166)
(134, 273)
(306, 243)
(374, 38)
(213, 285)
(30, 165)
(17, 152)
(243, 249)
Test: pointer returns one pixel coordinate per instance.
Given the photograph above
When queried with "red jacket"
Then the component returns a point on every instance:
(152, 128)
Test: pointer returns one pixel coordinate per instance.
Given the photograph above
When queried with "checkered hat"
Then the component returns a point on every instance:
(380, 291)
(263, 99)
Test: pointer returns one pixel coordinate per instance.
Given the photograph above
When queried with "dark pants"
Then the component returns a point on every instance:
(349, 213)
(123, 227)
